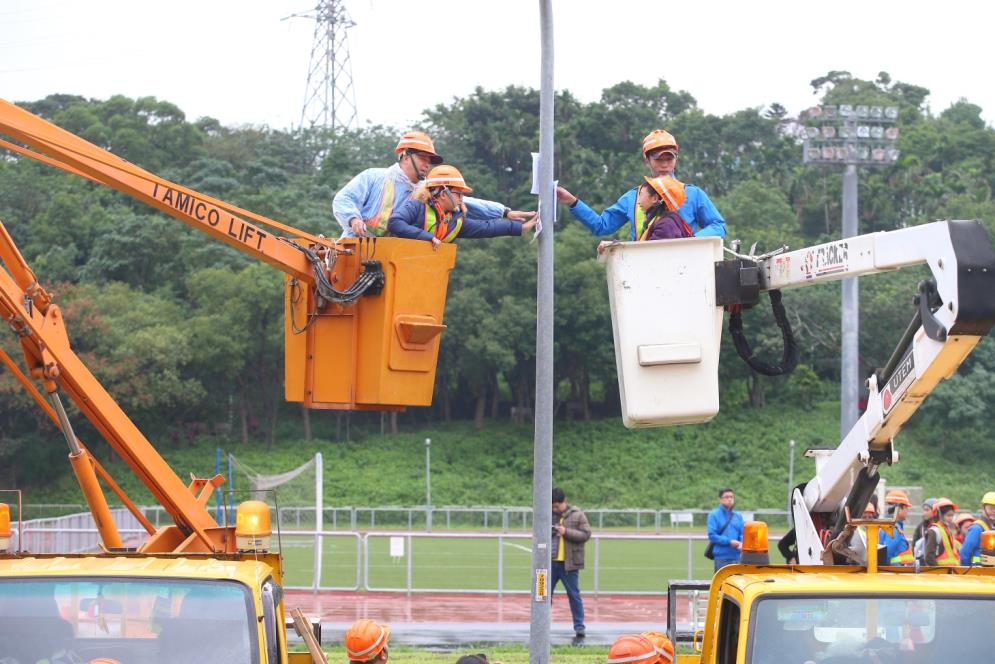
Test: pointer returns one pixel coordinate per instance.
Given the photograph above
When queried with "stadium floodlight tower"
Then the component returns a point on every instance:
(849, 136)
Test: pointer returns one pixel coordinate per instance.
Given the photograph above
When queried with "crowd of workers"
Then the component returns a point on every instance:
(421, 198)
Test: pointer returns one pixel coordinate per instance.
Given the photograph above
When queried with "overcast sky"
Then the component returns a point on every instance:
(239, 62)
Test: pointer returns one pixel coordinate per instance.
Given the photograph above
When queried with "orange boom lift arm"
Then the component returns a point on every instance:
(343, 350)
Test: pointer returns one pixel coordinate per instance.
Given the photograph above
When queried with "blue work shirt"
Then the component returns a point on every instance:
(896, 542)
(972, 543)
(409, 222)
(698, 211)
(363, 194)
(734, 531)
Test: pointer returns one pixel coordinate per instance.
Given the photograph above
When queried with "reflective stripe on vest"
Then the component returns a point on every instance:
(643, 229)
(439, 230)
(905, 557)
(377, 225)
(949, 556)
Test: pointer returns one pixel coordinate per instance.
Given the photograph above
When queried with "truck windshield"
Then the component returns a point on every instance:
(845, 630)
(128, 620)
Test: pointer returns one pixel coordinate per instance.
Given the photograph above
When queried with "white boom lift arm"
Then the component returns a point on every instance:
(954, 311)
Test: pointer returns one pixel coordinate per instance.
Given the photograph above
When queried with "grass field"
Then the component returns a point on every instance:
(472, 563)
(504, 654)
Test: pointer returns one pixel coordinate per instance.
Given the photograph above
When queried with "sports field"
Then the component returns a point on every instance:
(472, 563)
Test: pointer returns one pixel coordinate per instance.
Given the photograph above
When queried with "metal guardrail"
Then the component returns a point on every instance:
(487, 517)
(299, 548)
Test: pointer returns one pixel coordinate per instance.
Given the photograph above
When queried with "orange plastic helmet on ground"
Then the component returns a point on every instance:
(669, 189)
(664, 648)
(446, 176)
(365, 640)
(944, 502)
(898, 497)
(420, 141)
(658, 138)
(632, 649)
(964, 516)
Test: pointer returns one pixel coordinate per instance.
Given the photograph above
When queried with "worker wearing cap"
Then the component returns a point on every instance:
(899, 550)
(632, 649)
(437, 212)
(660, 151)
(941, 547)
(970, 551)
(364, 205)
(366, 642)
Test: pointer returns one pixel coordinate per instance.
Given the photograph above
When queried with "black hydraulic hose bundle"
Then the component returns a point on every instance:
(789, 356)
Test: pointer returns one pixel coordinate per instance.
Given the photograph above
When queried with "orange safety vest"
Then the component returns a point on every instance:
(643, 229)
(439, 229)
(377, 225)
(950, 556)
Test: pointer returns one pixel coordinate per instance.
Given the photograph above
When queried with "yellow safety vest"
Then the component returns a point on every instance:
(439, 229)
(905, 557)
(377, 225)
(950, 556)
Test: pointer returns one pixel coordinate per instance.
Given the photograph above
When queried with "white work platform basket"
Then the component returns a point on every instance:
(667, 329)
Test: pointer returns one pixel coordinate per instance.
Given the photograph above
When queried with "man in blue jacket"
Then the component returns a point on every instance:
(725, 530)
(970, 550)
(660, 152)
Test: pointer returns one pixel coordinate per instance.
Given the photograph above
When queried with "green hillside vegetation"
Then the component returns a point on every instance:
(600, 463)
(187, 334)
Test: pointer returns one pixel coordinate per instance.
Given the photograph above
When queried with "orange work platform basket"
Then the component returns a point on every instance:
(379, 353)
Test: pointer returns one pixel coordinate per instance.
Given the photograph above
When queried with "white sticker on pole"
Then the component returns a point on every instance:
(541, 586)
(396, 547)
(535, 174)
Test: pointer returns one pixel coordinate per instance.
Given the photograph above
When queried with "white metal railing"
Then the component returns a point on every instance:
(476, 517)
(386, 561)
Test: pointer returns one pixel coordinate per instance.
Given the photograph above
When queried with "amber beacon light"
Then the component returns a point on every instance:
(252, 526)
(755, 544)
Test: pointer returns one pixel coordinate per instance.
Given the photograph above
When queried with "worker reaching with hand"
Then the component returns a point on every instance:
(660, 151)
(364, 205)
(437, 213)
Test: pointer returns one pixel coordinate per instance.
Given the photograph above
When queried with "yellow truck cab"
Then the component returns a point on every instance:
(143, 608)
(781, 614)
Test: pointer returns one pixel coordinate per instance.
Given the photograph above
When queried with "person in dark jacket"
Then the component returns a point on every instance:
(436, 213)
(570, 532)
(725, 530)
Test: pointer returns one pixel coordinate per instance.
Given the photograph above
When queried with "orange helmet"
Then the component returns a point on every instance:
(632, 649)
(446, 176)
(420, 141)
(898, 497)
(669, 189)
(963, 517)
(944, 502)
(365, 640)
(664, 648)
(658, 138)
(871, 509)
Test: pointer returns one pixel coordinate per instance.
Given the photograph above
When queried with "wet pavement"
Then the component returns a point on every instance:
(449, 620)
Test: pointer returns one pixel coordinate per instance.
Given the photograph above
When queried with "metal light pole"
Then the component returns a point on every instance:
(850, 319)
(542, 469)
(428, 484)
(791, 474)
(848, 136)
